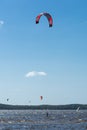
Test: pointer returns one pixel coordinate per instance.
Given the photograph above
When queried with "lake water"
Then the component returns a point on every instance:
(38, 120)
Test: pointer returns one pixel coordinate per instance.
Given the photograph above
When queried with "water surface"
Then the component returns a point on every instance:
(38, 120)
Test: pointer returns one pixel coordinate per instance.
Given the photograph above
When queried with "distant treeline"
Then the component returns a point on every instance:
(41, 107)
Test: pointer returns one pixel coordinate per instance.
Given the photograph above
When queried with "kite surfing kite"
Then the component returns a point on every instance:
(48, 16)
(41, 97)
(7, 99)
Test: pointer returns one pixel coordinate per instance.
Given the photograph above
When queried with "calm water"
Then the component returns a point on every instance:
(37, 120)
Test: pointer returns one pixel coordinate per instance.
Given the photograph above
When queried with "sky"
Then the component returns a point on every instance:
(36, 60)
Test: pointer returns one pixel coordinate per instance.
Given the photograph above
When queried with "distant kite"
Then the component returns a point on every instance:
(41, 97)
(48, 16)
(7, 99)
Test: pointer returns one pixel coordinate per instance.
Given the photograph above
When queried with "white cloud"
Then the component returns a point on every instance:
(42, 73)
(35, 73)
(1, 22)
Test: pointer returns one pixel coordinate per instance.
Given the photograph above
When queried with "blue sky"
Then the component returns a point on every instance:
(37, 60)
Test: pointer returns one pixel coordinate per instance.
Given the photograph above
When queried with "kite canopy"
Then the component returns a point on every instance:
(7, 99)
(48, 16)
(41, 97)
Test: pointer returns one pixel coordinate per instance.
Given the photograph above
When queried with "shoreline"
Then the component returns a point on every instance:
(43, 107)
